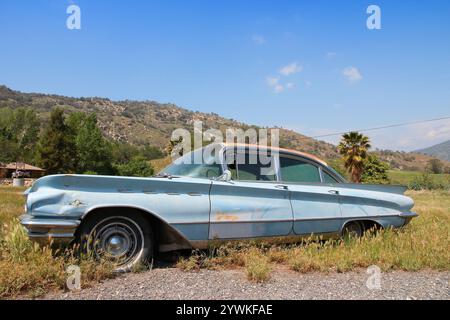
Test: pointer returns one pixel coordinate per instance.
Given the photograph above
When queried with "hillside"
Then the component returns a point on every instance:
(152, 123)
(441, 151)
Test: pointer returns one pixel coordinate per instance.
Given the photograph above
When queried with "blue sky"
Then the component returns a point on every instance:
(312, 66)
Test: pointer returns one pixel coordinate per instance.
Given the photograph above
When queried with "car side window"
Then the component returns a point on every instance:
(327, 178)
(295, 170)
(246, 167)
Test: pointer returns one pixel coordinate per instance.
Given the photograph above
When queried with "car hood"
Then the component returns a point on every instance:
(107, 183)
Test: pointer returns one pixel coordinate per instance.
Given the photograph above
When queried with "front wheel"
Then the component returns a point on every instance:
(124, 240)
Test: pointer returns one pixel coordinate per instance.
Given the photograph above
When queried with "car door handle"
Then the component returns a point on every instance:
(281, 186)
(333, 191)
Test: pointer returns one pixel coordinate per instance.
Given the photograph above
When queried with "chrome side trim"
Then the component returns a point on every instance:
(404, 215)
(249, 221)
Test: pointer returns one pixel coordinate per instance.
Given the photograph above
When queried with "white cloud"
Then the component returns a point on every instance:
(275, 82)
(278, 88)
(291, 68)
(272, 81)
(352, 74)
(330, 55)
(258, 39)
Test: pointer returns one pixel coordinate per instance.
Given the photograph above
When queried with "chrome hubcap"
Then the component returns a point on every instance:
(117, 245)
(117, 240)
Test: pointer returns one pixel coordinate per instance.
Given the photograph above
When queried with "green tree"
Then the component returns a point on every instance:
(75, 120)
(353, 148)
(26, 127)
(19, 132)
(375, 170)
(137, 167)
(150, 153)
(123, 152)
(57, 152)
(8, 146)
(8, 149)
(435, 166)
(93, 151)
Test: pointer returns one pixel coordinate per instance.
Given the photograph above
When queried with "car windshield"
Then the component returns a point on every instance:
(201, 163)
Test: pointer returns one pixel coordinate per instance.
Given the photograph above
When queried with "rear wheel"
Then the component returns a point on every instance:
(125, 240)
(353, 229)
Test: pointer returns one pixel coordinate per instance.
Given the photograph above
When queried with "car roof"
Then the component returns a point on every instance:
(284, 150)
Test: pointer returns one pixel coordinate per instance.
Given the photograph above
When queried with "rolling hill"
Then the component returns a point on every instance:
(152, 123)
(441, 151)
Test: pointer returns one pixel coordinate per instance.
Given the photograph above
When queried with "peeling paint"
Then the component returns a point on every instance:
(76, 203)
(226, 217)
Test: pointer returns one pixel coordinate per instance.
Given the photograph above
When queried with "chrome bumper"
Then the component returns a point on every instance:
(407, 216)
(46, 231)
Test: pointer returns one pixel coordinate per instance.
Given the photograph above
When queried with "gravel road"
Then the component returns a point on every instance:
(172, 283)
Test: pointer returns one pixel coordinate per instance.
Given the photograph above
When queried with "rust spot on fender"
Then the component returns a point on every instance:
(226, 217)
(76, 203)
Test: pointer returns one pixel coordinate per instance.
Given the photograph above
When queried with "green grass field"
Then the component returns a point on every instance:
(28, 269)
(407, 177)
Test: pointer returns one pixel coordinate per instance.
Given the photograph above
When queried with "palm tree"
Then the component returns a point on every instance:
(353, 148)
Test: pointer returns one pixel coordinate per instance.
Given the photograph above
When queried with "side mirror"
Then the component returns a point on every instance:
(226, 176)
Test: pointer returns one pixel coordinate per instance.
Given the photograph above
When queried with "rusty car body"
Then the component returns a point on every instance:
(189, 205)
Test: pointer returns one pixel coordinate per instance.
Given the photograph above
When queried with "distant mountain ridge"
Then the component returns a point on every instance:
(150, 122)
(440, 151)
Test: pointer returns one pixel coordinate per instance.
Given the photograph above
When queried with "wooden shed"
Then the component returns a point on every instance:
(6, 170)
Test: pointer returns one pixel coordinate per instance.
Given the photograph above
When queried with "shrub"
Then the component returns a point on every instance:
(375, 171)
(435, 166)
(426, 182)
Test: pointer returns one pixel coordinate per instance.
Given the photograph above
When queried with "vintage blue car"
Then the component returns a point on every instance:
(225, 196)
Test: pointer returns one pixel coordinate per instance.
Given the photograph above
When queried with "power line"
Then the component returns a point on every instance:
(382, 127)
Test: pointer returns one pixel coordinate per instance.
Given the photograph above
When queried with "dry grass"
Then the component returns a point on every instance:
(257, 265)
(159, 164)
(423, 244)
(25, 267)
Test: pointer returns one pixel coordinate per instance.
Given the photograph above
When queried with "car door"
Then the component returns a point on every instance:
(315, 205)
(251, 205)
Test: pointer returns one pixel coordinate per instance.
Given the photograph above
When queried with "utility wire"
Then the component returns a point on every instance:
(382, 127)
